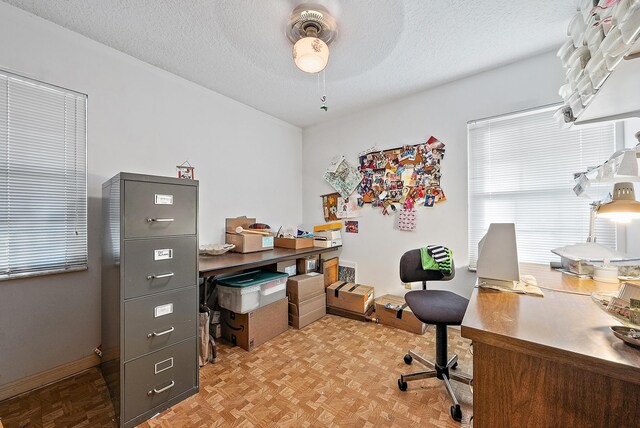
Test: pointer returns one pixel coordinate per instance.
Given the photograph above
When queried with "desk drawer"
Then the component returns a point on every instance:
(153, 322)
(155, 209)
(155, 265)
(156, 378)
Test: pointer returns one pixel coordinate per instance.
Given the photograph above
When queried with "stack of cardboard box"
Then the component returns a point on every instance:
(327, 235)
(307, 302)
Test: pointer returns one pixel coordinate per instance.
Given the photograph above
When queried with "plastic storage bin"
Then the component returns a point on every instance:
(566, 50)
(630, 23)
(597, 70)
(576, 29)
(248, 291)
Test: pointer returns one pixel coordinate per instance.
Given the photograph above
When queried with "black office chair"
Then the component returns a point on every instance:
(442, 308)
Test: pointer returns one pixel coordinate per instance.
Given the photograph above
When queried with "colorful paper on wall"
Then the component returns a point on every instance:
(343, 177)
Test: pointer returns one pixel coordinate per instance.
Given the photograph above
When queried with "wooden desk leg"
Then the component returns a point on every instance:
(513, 389)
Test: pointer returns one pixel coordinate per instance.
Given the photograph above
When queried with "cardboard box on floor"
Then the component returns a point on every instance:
(305, 287)
(404, 319)
(246, 243)
(256, 327)
(356, 298)
(307, 311)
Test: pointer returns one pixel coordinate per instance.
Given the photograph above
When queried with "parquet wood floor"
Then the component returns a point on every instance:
(334, 373)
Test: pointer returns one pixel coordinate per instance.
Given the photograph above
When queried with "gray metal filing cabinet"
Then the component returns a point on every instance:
(149, 293)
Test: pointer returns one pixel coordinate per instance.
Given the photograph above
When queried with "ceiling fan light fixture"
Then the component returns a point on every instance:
(311, 29)
(310, 54)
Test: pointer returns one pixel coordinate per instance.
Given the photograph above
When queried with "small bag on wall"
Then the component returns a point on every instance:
(407, 219)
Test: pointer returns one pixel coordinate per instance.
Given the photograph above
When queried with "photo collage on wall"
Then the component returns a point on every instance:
(408, 176)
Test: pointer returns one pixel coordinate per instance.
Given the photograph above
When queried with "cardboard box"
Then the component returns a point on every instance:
(351, 297)
(288, 267)
(398, 316)
(247, 243)
(329, 235)
(352, 315)
(330, 271)
(308, 311)
(305, 287)
(294, 243)
(308, 264)
(327, 244)
(257, 327)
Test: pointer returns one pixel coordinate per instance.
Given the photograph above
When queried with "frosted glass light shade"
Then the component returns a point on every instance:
(311, 54)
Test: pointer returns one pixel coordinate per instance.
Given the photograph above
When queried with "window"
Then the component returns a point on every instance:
(43, 178)
(521, 170)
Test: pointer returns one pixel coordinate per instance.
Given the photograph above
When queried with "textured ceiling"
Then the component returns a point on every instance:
(385, 48)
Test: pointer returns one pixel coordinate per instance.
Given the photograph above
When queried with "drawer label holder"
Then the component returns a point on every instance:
(163, 254)
(163, 365)
(163, 199)
(163, 310)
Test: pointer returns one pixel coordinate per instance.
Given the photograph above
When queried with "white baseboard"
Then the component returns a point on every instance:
(38, 380)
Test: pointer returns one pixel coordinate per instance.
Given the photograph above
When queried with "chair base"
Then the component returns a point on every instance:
(441, 372)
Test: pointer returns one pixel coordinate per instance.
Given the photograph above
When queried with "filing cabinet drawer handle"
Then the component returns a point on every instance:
(161, 390)
(162, 333)
(159, 220)
(162, 275)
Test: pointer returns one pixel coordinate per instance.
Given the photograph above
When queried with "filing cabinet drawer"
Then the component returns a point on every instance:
(155, 265)
(156, 378)
(155, 209)
(153, 322)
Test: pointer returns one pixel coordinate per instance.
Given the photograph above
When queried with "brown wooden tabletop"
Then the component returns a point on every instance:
(562, 327)
(233, 262)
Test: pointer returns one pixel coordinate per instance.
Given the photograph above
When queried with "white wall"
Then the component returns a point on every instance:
(140, 119)
(442, 112)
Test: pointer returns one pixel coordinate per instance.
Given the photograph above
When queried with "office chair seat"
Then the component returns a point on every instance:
(437, 306)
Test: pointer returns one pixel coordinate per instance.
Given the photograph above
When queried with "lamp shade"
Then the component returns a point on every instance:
(623, 207)
(310, 54)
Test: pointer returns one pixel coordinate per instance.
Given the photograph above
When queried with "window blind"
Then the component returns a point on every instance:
(521, 170)
(43, 178)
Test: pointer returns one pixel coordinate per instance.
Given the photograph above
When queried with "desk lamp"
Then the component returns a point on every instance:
(623, 206)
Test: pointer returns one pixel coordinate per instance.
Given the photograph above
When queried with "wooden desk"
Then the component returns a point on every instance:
(234, 262)
(550, 361)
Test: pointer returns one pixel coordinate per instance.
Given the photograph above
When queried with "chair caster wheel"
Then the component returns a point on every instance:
(456, 413)
(402, 385)
(408, 359)
(455, 366)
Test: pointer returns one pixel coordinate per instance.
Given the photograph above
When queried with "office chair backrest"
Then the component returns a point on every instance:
(411, 269)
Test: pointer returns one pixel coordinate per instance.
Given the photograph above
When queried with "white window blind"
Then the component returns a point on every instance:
(43, 175)
(521, 170)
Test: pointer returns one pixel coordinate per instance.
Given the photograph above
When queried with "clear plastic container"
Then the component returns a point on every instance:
(573, 76)
(565, 51)
(594, 34)
(630, 24)
(585, 89)
(597, 70)
(613, 61)
(576, 30)
(586, 9)
(566, 91)
(575, 102)
(239, 300)
(580, 57)
(249, 291)
(612, 45)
